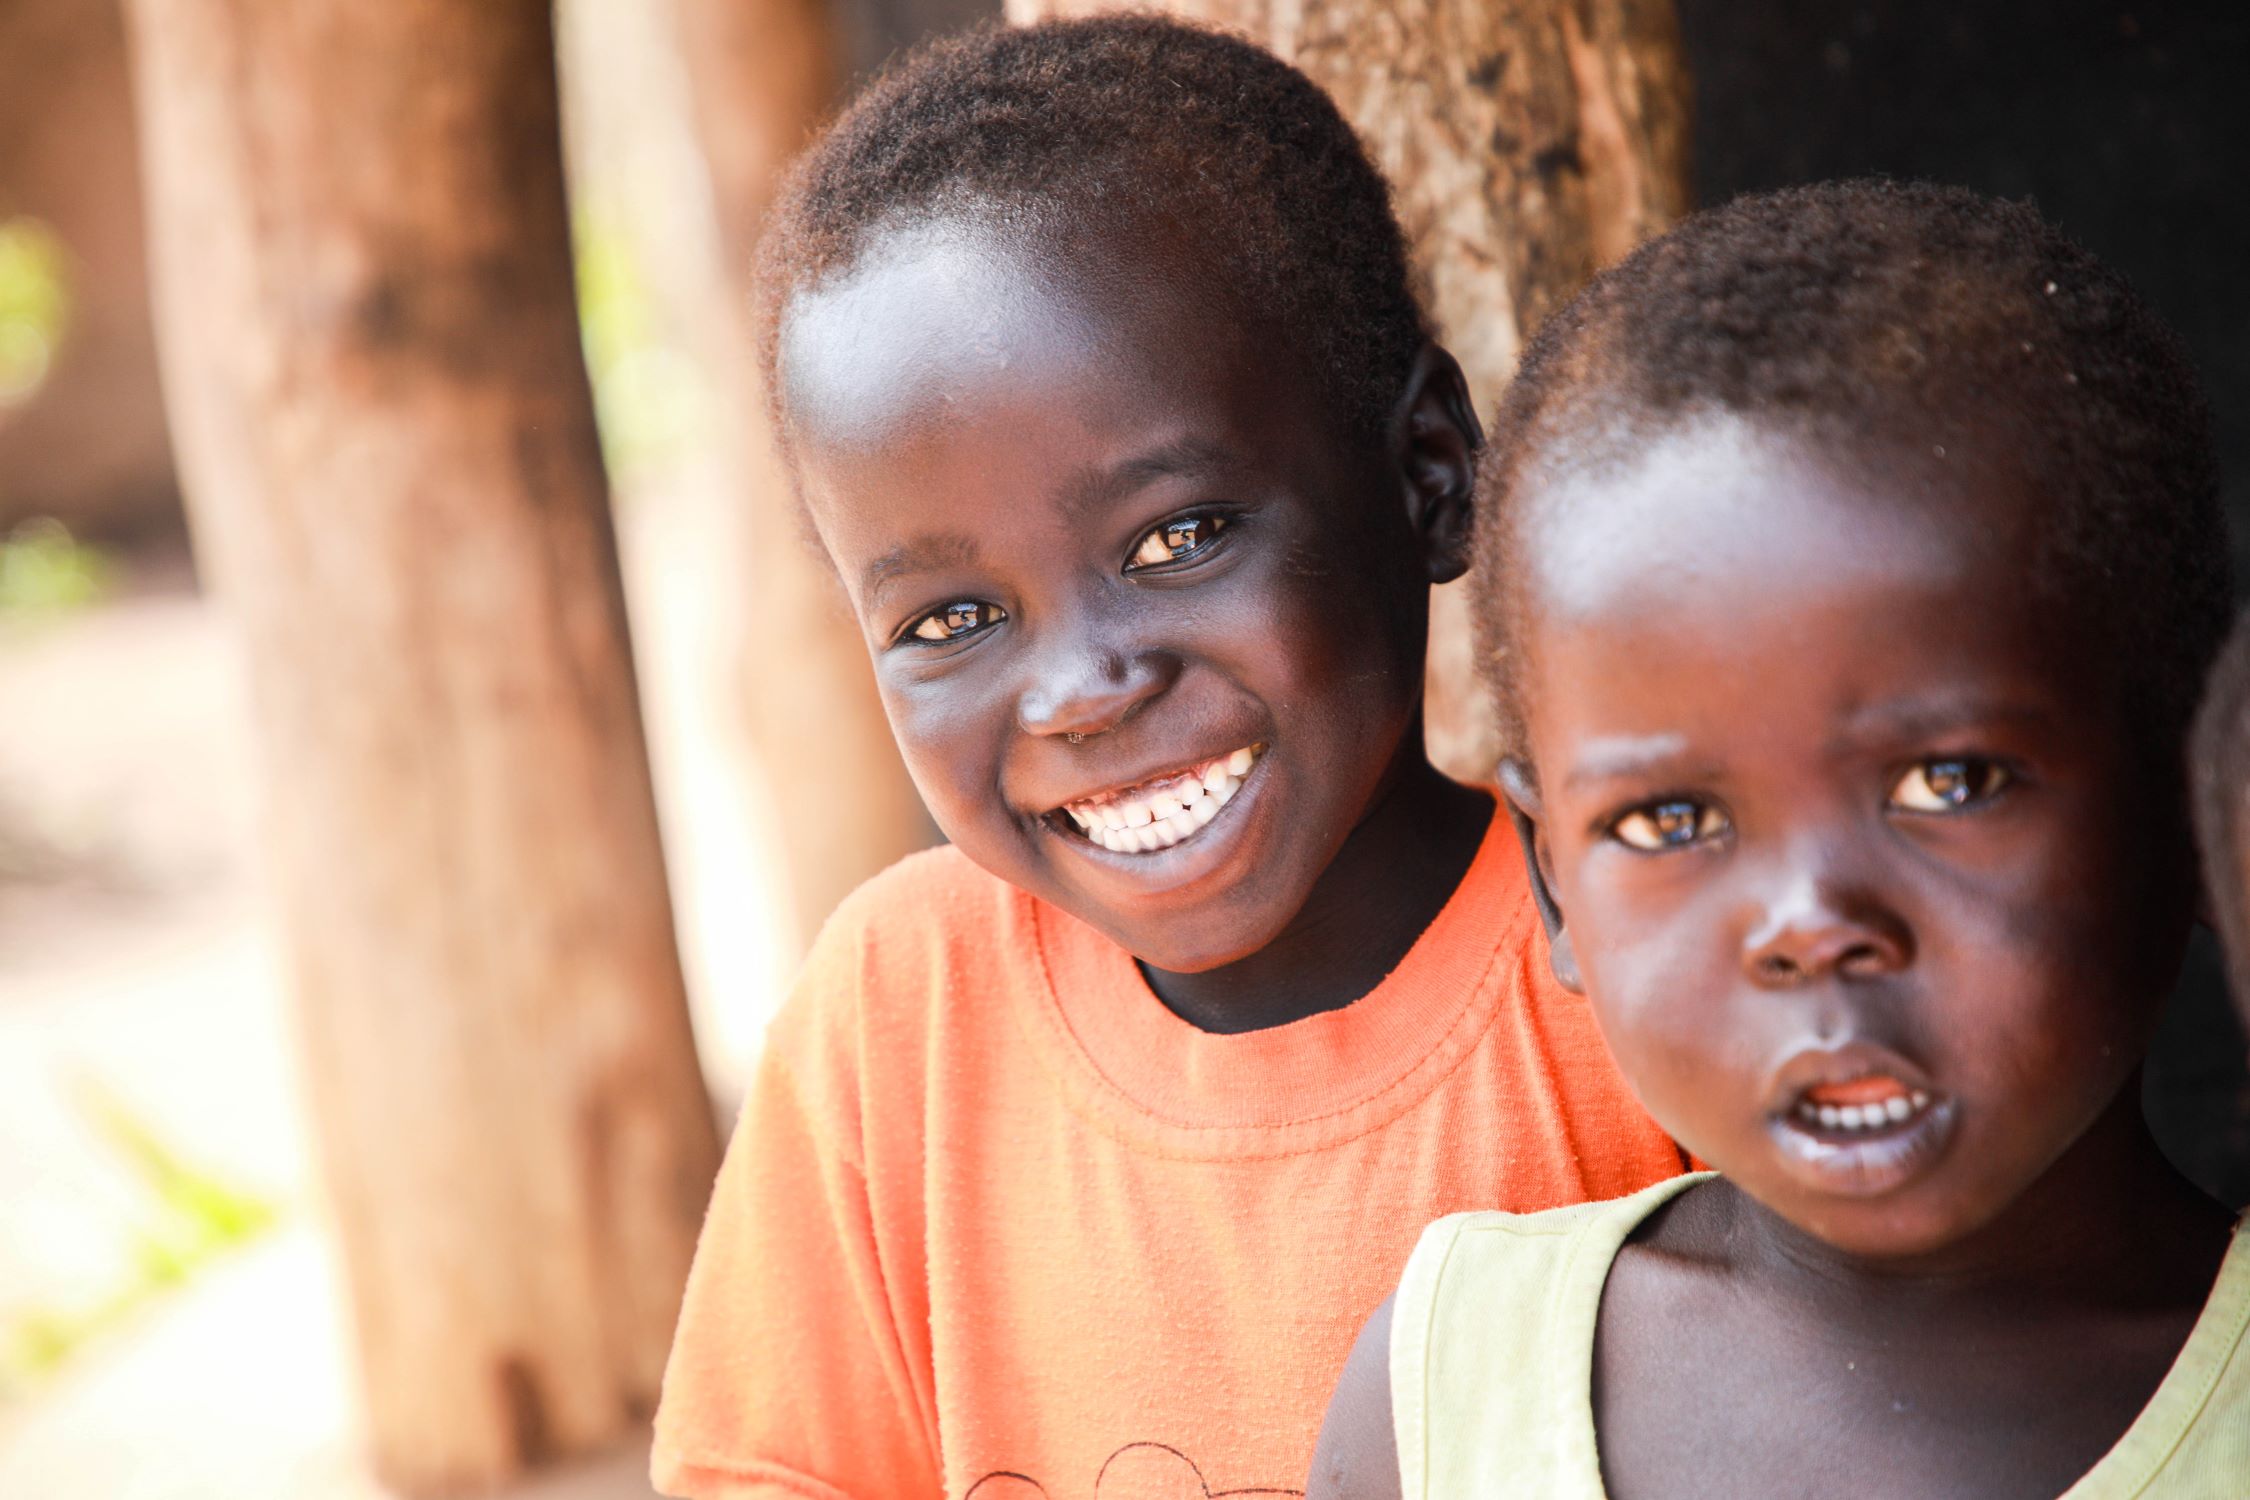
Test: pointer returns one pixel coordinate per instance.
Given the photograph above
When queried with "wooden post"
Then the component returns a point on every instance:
(366, 320)
(1531, 142)
(763, 74)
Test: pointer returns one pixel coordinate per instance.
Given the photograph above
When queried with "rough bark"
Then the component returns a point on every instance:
(366, 318)
(1531, 142)
(763, 74)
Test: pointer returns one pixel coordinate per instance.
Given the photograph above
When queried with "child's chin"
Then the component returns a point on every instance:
(1913, 1225)
(1903, 1235)
(1190, 932)
(1189, 939)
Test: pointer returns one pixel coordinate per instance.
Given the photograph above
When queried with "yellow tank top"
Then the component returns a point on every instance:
(1470, 1425)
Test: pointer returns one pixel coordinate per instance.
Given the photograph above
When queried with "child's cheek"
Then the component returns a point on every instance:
(1318, 646)
(1663, 1000)
(946, 735)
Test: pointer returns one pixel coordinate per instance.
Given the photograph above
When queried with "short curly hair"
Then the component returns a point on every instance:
(1148, 116)
(1874, 309)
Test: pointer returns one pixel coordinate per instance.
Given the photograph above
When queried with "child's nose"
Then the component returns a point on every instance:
(1089, 690)
(1815, 929)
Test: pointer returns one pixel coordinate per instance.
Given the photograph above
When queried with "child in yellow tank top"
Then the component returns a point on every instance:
(1851, 563)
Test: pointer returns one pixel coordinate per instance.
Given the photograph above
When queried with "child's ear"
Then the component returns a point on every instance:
(1520, 788)
(1435, 436)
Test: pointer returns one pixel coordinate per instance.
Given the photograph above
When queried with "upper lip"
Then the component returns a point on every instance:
(1811, 1067)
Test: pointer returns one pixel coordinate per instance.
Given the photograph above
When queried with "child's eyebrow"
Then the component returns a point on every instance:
(1890, 722)
(932, 549)
(1624, 756)
(1092, 488)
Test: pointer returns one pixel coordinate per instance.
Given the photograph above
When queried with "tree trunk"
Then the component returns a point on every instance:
(764, 73)
(1531, 141)
(369, 344)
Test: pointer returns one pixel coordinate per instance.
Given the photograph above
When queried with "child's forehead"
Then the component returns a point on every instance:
(1720, 495)
(936, 310)
(927, 310)
(1726, 564)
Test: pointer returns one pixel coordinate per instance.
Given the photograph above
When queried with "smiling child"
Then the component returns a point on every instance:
(1854, 563)
(1084, 1144)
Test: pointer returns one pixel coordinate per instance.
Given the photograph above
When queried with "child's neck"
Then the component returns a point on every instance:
(1395, 872)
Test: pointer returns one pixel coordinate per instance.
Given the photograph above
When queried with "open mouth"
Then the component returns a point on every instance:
(1864, 1134)
(1861, 1107)
(1163, 810)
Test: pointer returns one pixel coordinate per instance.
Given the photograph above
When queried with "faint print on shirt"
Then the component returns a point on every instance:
(1137, 1471)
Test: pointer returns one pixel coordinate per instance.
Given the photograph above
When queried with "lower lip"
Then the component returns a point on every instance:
(1865, 1164)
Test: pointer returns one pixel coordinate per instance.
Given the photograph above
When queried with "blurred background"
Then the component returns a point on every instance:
(352, 1140)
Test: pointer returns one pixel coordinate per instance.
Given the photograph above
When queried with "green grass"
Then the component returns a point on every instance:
(647, 395)
(44, 570)
(34, 306)
(189, 1218)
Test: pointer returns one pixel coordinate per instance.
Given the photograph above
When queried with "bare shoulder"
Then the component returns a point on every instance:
(1357, 1456)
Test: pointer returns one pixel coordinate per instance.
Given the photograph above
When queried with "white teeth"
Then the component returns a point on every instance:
(1134, 825)
(1876, 1116)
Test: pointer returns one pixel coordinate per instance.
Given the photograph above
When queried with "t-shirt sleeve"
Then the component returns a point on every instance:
(793, 1370)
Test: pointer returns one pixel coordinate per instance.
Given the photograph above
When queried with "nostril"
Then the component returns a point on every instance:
(1782, 968)
(1778, 968)
(1860, 961)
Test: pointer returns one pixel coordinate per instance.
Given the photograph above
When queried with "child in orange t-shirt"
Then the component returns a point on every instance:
(1085, 1144)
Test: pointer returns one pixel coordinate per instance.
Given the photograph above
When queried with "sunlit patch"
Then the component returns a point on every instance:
(34, 306)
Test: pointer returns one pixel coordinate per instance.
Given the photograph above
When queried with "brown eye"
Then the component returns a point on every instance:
(1673, 824)
(1175, 540)
(957, 620)
(1940, 786)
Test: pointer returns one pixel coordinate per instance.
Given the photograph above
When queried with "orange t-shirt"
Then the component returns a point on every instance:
(997, 1223)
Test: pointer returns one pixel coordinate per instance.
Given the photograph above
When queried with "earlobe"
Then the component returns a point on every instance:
(1435, 436)
(1519, 787)
(1562, 958)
